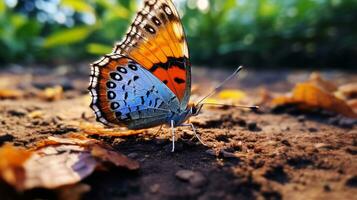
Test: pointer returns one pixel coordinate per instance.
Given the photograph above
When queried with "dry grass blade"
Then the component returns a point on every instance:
(91, 129)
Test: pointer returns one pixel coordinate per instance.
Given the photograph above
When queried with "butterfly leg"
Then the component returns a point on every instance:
(173, 135)
(194, 132)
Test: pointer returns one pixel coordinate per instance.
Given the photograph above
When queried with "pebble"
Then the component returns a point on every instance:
(227, 154)
(286, 143)
(311, 129)
(253, 127)
(18, 112)
(211, 152)
(6, 138)
(195, 178)
(133, 155)
(155, 188)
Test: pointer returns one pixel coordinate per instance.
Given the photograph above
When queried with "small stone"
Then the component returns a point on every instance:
(211, 152)
(17, 112)
(311, 129)
(6, 138)
(226, 154)
(195, 178)
(155, 188)
(327, 188)
(253, 127)
(133, 155)
(286, 143)
(301, 118)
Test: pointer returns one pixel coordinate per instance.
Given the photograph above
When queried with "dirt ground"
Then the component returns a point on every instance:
(269, 154)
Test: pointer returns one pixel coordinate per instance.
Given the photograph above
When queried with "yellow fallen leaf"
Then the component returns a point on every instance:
(35, 114)
(52, 93)
(11, 94)
(234, 95)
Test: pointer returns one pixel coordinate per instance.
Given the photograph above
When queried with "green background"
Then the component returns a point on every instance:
(259, 33)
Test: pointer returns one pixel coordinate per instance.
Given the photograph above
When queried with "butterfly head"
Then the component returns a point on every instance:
(194, 110)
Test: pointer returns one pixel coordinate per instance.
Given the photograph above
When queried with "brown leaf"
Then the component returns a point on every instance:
(57, 162)
(317, 80)
(11, 165)
(348, 91)
(309, 95)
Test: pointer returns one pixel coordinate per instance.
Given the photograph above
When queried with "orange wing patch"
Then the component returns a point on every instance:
(156, 40)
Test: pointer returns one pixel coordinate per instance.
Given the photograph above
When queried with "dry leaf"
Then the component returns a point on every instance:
(348, 91)
(11, 94)
(91, 129)
(11, 164)
(57, 162)
(52, 94)
(308, 95)
(234, 95)
(36, 114)
(316, 79)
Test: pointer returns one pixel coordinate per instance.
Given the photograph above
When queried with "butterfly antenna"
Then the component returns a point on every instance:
(219, 86)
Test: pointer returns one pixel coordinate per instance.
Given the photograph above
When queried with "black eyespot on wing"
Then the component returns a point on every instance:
(167, 9)
(111, 85)
(118, 114)
(126, 95)
(149, 29)
(114, 105)
(165, 82)
(122, 70)
(179, 80)
(142, 100)
(111, 95)
(156, 21)
(135, 78)
(133, 67)
(116, 76)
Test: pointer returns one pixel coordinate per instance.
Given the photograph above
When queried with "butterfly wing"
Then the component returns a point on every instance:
(125, 93)
(156, 40)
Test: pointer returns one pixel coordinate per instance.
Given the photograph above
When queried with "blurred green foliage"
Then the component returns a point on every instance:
(301, 33)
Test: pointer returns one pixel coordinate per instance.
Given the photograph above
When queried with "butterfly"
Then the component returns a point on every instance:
(146, 80)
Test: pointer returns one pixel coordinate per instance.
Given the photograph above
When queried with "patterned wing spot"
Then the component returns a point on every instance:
(133, 67)
(126, 95)
(149, 29)
(129, 82)
(118, 114)
(114, 105)
(111, 95)
(116, 76)
(165, 82)
(179, 80)
(142, 100)
(111, 85)
(167, 9)
(156, 21)
(122, 70)
(135, 78)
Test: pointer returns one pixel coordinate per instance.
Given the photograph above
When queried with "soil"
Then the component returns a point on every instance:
(267, 154)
